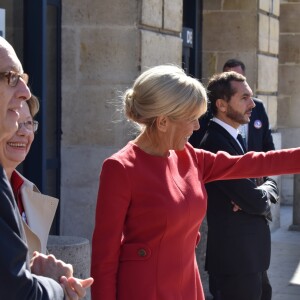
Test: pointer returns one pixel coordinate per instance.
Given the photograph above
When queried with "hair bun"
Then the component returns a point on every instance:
(129, 104)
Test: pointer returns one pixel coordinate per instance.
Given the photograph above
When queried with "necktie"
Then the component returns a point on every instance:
(241, 140)
(243, 130)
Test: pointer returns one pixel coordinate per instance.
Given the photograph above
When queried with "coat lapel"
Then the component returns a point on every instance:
(232, 141)
(40, 210)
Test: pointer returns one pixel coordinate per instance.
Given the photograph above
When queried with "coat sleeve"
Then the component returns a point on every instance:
(112, 204)
(16, 281)
(223, 166)
(251, 199)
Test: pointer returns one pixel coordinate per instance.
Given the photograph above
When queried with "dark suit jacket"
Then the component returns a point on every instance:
(237, 242)
(259, 138)
(259, 134)
(16, 281)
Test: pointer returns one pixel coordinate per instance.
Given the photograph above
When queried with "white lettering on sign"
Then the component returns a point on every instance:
(189, 37)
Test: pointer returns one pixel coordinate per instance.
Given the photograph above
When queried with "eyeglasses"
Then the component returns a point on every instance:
(14, 77)
(30, 125)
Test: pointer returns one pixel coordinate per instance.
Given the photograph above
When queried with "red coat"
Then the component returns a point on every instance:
(148, 214)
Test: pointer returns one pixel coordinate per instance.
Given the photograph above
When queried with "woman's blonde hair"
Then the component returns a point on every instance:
(164, 90)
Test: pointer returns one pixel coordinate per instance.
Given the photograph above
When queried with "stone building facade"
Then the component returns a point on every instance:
(106, 44)
(104, 48)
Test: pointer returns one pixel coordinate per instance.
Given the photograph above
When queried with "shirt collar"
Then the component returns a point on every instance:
(232, 131)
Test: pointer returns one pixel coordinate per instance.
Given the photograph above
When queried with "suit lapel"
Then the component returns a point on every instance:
(232, 141)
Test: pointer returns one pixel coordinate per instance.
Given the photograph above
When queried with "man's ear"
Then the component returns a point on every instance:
(221, 105)
(162, 123)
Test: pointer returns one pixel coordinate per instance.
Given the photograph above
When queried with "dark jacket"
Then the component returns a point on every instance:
(237, 242)
(259, 133)
(259, 137)
(16, 281)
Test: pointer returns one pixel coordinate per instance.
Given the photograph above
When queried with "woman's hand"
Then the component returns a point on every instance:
(75, 288)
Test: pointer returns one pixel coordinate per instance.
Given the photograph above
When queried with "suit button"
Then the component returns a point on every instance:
(142, 252)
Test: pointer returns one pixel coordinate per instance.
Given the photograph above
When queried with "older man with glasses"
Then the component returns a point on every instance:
(16, 279)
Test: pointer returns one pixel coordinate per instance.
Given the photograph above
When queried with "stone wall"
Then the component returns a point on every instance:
(229, 29)
(160, 28)
(100, 57)
(249, 31)
(104, 48)
(289, 91)
(289, 66)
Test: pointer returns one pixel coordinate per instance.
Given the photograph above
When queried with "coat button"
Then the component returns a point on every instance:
(142, 252)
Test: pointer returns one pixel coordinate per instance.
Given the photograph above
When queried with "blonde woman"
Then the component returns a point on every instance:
(152, 199)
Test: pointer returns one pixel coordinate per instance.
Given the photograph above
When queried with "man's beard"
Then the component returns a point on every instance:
(236, 116)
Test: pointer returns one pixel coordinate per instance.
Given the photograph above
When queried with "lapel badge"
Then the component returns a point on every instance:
(257, 124)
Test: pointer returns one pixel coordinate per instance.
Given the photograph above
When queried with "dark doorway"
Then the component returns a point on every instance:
(192, 19)
(42, 60)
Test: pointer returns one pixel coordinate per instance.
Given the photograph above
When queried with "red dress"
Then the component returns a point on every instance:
(148, 214)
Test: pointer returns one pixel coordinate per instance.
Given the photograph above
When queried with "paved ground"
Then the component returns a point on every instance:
(285, 259)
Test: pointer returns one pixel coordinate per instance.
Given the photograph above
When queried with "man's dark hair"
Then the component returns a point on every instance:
(219, 87)
(232, 63)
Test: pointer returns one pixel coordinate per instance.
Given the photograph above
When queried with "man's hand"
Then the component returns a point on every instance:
(75, 288)
(235, 207)
(259, 181)
(49, 266)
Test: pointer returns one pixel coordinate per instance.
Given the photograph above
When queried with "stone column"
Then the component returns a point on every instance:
(296, 204)
(289, 93)
(72, 250)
